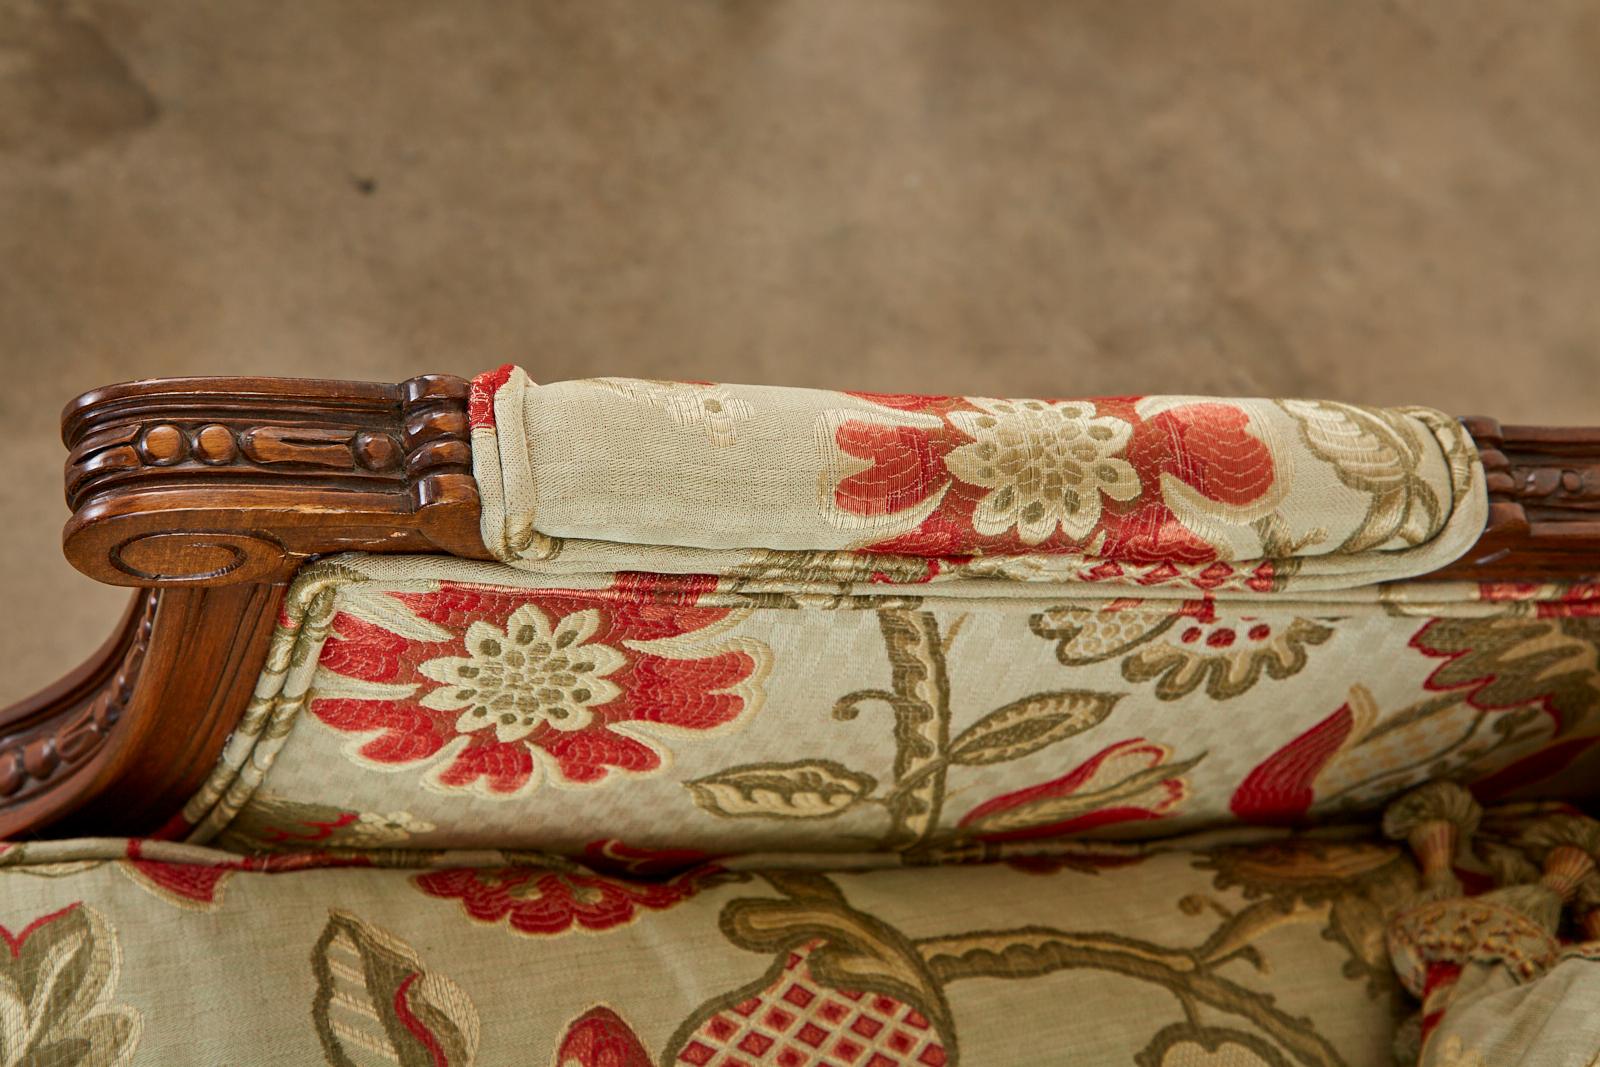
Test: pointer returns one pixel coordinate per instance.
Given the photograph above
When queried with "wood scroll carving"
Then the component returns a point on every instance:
(209, 493)
(215, 481)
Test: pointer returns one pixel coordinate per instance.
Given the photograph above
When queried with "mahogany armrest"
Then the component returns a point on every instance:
(215, 481)
(208, 494)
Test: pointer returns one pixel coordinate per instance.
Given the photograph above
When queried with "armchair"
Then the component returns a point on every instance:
(617, 722)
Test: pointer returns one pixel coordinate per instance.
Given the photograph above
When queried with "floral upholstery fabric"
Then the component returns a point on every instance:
(802, 728)
(1249, 948)
(119, 952)
(1120, 490)
(490, 706)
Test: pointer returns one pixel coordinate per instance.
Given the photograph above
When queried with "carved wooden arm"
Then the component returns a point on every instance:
(209, 493)
(213, 481)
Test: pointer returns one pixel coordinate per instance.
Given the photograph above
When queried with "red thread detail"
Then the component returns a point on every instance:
(1282, 788)
(480, 401)
(14, 942)
(414, 1025)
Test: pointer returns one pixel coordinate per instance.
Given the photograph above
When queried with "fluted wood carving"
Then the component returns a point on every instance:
(210, 493)
(210, 481)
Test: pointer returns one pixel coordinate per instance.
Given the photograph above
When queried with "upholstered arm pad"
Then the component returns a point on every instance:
(1123, 490)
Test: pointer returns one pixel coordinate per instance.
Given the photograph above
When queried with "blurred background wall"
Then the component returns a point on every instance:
(1388, 201)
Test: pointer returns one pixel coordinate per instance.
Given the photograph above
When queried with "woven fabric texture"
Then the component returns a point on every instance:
(802, 728)
(1244, 948)
(500, 707)
(1265, 494)
(121, 952)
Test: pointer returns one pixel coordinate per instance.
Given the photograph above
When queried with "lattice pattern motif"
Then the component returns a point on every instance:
(797, 1022)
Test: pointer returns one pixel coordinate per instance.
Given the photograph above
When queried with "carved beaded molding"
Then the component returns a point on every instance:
(1544, 504)
(210, 492)
(166, 444)
(219, 480)
(39, 750)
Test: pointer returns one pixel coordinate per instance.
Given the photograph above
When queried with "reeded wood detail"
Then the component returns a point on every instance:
(205, 652)
(1544, 504)
(213, 481)
(120, 744)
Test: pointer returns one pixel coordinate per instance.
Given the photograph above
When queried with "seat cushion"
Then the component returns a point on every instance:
(147, 952)
(1309, 494)
(480, 705)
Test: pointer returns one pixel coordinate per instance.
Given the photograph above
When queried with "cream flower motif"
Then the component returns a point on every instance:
(1045, 464)
(533, 674)
(376, 828)
(713, 408)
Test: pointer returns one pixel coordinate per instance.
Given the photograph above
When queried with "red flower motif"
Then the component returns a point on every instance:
(1129, 781)
(793, 1018)
(539, 901)
(1332, 760)
(1100, 477)
(1574, 601)
(1549, 600)
(180, 883)
(599, 1038)
(313, 829)
(1282, 788)
(575, 684)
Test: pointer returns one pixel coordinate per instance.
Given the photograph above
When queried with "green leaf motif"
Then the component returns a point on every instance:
(55, 988)
(376, 1004)
(1379, 453)
(1025, 726)
(807, 789)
